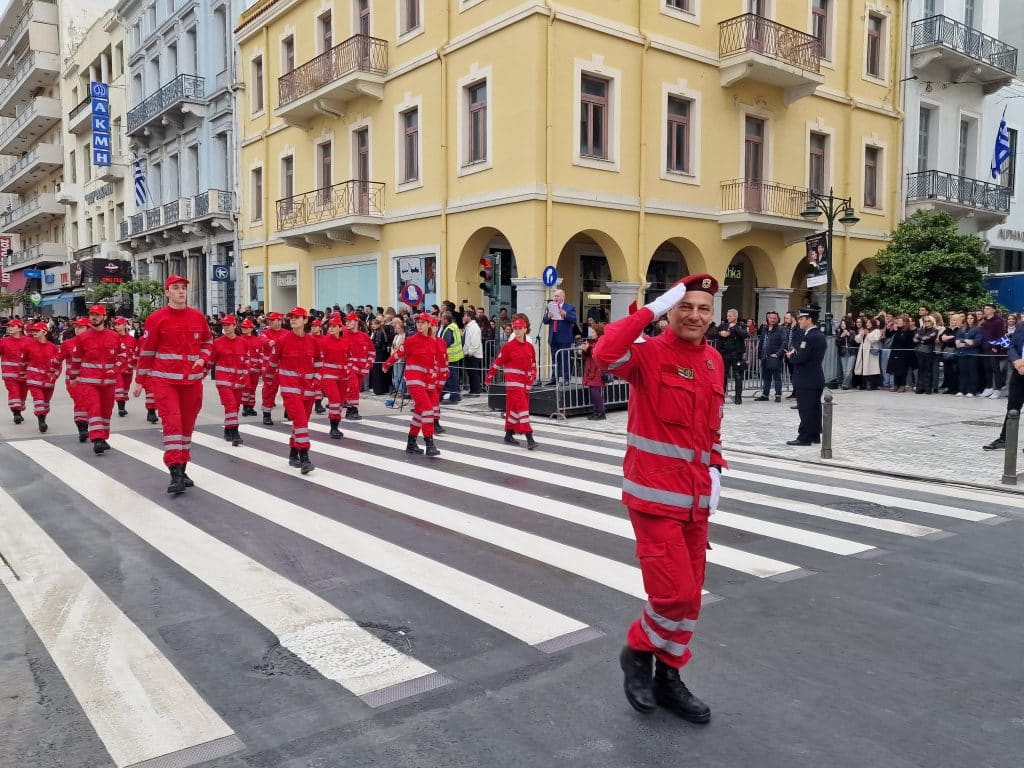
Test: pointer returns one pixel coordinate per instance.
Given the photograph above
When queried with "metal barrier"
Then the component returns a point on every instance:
(572, 398)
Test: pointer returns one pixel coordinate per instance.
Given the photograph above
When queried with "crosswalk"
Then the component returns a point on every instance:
(381, 576)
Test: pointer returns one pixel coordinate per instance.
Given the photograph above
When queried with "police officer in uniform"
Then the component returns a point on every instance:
(808, 376)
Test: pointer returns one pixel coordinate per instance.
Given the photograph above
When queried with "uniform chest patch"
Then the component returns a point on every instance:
(686, 373)
(711, 365)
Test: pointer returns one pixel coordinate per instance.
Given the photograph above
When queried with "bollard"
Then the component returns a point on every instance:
(826, 426)
(1010, 457)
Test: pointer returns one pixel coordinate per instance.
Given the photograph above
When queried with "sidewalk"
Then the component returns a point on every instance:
(920, 436)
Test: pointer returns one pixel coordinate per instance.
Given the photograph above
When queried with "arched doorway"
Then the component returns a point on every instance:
(668, 265)
(866, 267)
(740, 284)
(586, 264)
(487, 246)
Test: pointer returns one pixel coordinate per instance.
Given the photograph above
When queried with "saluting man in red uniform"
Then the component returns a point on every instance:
(420, 353)
(12, 367)
(334, 372)
(173, 355)
(272, 334)
(252, 345)
(94, 362)
(230, 359)
(127, 365)
(670, 481)
(40, 354)
(519, 359)
(296, 359)
(66, 352)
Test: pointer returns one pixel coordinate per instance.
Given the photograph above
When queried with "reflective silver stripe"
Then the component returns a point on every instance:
(283, 372)
(621, 361)
(716, 447)
(82, 380)
(222, 369)
(147, 353)
(290, 391)
(193, 358)
(174, 438)
(705, 457)
(93, 365)
(196, 376)
(514, 385)
(703, 502)
(657, 495)
(419, 368)
(669, 646)
(657, 447)
(168, 356)
(516, 371)
(165, 375)
(686, 625)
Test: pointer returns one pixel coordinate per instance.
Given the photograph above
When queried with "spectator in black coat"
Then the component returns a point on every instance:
(771, 349)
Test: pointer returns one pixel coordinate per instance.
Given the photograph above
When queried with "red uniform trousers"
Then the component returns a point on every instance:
(249, 391)
(81, 415)
(150, 400)
(17, 391)
(423, 399)
(355, 383)
(231, 399)
(299, 408)
(124, 384)
(336, 391)
(270, 387)
(517, 409)
(672, 554)
(41, 396)
(178, 406)
(98, 400)
(435, 400)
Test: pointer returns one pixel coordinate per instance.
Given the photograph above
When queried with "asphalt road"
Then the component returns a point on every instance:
(468, 610)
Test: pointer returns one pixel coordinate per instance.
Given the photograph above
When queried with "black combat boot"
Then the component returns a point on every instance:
(267, 421)
(438, 429)
(411, 447)
(305, 465)
(42, 423)
(236, 439)
(227, 434)
(671, 692)
(83, 431)
(17, 417)
(318, 406)
(99, 446)
(530, 442)
(151, 416)
(121, 410)
(637, 681)
(336, 434)
(177, 485)
(248, 410)
(293, 457)
(352, 414)
(510, 437)
(431, 448)
(188, 480)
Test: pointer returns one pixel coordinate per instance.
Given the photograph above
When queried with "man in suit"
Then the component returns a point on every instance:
(1015, 396)
(808, 377)
(561, 318)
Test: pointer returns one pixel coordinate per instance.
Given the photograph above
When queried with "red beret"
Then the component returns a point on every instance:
(173, 279)
(704, 283)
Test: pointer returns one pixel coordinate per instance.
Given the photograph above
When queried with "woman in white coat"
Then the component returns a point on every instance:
(868, 366)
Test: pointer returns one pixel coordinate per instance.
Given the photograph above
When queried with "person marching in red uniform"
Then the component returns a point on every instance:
(230, 359)
(671, 481)
(420, 353)
(440, 375)
(316, 330)
(12, 366)
(361, 353)
(65, 352)
(296, 359)
(127, 366)
(41, 353)
(272, 334)
(97, 354)
(173, 355)
(519, 359)
(252, 380)
(334, 372)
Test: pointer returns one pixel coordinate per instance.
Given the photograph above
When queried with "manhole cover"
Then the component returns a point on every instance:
(278, 660)
(869, 509)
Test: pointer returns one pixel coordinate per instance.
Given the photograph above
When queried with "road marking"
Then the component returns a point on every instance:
(510, 613)
(315, 631)
(542, 426)
(727, 557)
(139, 705)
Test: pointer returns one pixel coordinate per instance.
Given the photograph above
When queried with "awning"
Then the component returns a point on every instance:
(57, 298)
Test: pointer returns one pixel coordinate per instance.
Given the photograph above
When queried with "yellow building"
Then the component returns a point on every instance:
(389, 142)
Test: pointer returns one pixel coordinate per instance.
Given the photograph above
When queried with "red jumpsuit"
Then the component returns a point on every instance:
(126, 367)
(296, 362)
(676, 404)
(270, 339)
(12, 366)
(362, 354)
(66, 352)
(253, 343)
(335, 372)
(519, 359)
(97, 353)
(420, 353)
(231, 358)
(173, 342)
(41, 355)
(440, 376)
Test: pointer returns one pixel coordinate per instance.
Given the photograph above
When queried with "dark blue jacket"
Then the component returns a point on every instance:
(807, 361)
(561, 330)
(1016, 350)
(771, 342)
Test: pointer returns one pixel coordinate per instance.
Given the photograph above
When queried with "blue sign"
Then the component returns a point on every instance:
(221, 273)
(412, 295)
(100, 94)
(32, 273)
(50, 279)
(550, 276)
(99, 90)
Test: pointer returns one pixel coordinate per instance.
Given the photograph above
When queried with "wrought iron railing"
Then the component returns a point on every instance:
(15, 82)
(181, 88)
(177, 211)
(26, 160)
(765, 197)
(138, 223)
(358, 53)
(21, 257)
(123, 227)
(222, 202)
(80, 107)
(959, 190)
(88, 252)
(753, 33)
(23, 22)
(20, 121)
(349, 198)
(23, 210)
(152, 218)
(957, 36)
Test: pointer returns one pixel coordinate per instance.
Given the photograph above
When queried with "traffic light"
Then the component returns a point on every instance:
(486, 275)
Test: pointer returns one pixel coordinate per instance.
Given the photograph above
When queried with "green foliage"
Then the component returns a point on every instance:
(147, 291)
(928, 262)
(9, 301)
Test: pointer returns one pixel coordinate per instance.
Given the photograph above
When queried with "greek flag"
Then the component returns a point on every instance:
(1002, 150)
(1003, 343)
(141, 188)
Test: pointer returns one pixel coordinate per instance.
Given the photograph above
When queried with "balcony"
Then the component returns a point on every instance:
(169, 106)
(80, 117)
(946, 49)
(30, 126)
(41, 209)
(322, 86)
(168, 222)
(36, 30)
(111, 173)
(960, 196)
(753, 48)
(339, 213)
(41, 256)
(749, 204)
(68, 193)
(89, 252)
(31, 168)
(36, 71)
(214, 210)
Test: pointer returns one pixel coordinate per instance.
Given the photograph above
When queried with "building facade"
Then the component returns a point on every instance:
(180, 133)
(387, 143)
(30, 137)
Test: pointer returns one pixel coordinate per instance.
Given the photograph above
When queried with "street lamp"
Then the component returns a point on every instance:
(834, 208)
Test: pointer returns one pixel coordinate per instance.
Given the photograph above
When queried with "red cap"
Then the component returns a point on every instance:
(519, 323)
(335, 319)
(120, 321)
(228, 320)
(434, 320)
(15, 323)
(247, 323)
(39, 327)
(275, 316)
(352, 316)
(298, 312)
(98, 309)
(172, 279)
(704, 283)
(422, 317)
(82, 322)
(316, 324)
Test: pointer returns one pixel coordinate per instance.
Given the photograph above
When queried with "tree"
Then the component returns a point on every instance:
(147, 290)
(928, 262)
(11, 300)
